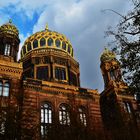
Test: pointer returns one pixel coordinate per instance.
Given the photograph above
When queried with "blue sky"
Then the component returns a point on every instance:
(80, 20)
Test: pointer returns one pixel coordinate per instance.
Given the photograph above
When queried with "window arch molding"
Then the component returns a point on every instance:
(64, 114)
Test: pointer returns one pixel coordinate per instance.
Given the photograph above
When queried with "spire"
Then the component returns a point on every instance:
(10, 21)
(46, 28)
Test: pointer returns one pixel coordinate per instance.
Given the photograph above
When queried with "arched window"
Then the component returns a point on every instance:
(42, 42)
(64, 114)
(50, 42)
(42, 73)
(127, 107)
(0, 88)
(7, 49)
(73, 78)
(57, 43)
(35, 43)
(60, 73)
(82, 115)
(112, 74)
(46, 119)
(24, 49)
(29, 46)
(69, 48)
(63, 45)
(6, 89)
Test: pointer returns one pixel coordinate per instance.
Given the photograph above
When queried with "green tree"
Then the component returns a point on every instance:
(127, 45)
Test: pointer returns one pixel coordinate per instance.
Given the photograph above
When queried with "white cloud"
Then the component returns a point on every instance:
(22, 40)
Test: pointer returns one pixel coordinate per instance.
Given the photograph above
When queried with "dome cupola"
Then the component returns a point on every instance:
(9, 29)
(107, 55)
(48, 56)
(47, 39)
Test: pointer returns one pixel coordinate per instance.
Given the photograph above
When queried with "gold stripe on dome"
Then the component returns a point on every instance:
(47, 34)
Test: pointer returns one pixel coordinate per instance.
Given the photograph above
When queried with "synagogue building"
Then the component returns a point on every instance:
(41, 97)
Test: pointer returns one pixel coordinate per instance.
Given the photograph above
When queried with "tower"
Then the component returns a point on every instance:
(110, 68)
(117, 103)
(10, 75)
(9, 41)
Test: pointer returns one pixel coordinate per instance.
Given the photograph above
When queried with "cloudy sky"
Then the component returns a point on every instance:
(82, 21)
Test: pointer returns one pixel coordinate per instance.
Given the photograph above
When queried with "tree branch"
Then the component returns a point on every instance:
(131, 33)
(114, 12)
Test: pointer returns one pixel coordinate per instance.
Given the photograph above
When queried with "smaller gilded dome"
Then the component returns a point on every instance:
(9, 28)
(107, 55)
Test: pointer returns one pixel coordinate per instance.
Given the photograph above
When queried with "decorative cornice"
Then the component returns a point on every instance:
(10, 68)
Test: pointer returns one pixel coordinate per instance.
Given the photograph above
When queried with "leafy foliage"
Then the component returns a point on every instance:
(127, 45)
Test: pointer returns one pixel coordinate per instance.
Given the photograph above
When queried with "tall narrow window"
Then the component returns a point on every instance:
(29, 46)
(42, 73)
(57, 43)
(73, 79)
(63, 45)
(50, 42)
(127, 107)
(0, 88)
(35, 43)
(60, 73)
(82, 116)
(112, 74)
(46, 119)
(24, 49)
(69, 48)
(64, 114)
(42, 42)
(6, 89)
(7, 49)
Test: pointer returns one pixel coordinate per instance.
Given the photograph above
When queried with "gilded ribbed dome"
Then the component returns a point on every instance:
(107, 55)
(9, 28)
(47, 39)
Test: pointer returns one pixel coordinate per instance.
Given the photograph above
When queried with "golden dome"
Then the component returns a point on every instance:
(9, 28)
(47, 39)
(107, 55)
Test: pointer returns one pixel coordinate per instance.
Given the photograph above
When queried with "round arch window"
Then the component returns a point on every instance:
(50, 42)
(42, 42)
(64, 114)
(57, 43)
(69, 48)
(63, 45)
(35, 43)
(29, 46)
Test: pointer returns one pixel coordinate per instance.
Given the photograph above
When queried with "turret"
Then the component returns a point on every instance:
(110, 67)
(9, 42)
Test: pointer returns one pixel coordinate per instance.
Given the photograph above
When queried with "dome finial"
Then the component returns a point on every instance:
(10, 21)
(46, 28)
